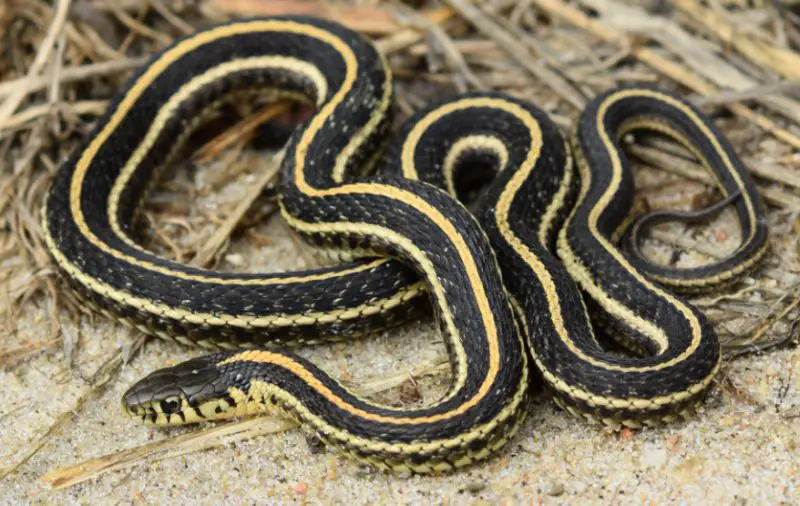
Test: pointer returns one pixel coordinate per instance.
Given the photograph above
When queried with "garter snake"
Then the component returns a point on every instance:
(408, 241)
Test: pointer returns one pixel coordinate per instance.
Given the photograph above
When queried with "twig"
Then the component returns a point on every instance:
(519, 52)
(782, 62)
(726, 97)
(170, 17)
(135, 26)
(240, 130)
(93, 107)
(11, 103)
(103, 375)
(208, 251)
(70, 75)
(559, 9)
(362, 18)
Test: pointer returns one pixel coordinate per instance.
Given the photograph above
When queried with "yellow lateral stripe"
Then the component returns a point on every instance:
(182, 95)
(548, 284)
(710, 137)
(666, 129)
(223, 319)
(503, 210)
(557, 203)
(313, 382)
(430, 273)
(357, 140)
(144, 81)
(461, 146)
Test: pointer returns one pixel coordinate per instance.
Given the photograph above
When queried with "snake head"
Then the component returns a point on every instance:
(190, 392)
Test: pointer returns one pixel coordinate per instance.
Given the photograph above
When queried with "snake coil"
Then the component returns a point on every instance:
(409, 241)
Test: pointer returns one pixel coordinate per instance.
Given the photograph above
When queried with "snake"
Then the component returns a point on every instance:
(525, 283)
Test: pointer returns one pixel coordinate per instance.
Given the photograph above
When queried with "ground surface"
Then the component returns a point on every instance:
(63, 370)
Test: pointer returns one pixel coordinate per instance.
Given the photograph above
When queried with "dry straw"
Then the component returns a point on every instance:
(62, 62)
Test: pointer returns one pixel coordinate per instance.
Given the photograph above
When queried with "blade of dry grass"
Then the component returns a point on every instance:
(725, 97)
(190, 442)
(691, 170)
(35, 84)
(406, 37)
(91, 107)
(703, 58)
(757, 339)
(781, 61)
(368, 19)
(135, 26)
(213, 246)
(519, 52)
(13, 101)
(170, 16)
(671, 69)
(100, 378)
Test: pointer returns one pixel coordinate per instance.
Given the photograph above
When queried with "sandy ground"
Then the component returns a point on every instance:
(740, 449)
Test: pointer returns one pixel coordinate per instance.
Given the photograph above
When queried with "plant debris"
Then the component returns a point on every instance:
(63, 61)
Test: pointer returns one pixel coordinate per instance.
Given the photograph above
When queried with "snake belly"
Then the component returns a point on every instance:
(409, 229)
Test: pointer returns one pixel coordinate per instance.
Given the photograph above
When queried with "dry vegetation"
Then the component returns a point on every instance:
(61, 63)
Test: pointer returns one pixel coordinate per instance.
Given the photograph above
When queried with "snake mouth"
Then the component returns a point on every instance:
(189, 392)
(170, 411)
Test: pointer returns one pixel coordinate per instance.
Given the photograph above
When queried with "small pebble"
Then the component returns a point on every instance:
(475, 487)
(315, 445)
(556, 489)
(235, 259)
(654, 457)
(409, 392)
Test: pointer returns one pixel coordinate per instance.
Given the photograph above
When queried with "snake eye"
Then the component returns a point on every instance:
(171, 405)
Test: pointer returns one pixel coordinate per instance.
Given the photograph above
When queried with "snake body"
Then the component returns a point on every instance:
(499, 291)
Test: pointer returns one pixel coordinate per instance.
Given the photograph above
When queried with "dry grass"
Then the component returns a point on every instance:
(61, 63)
